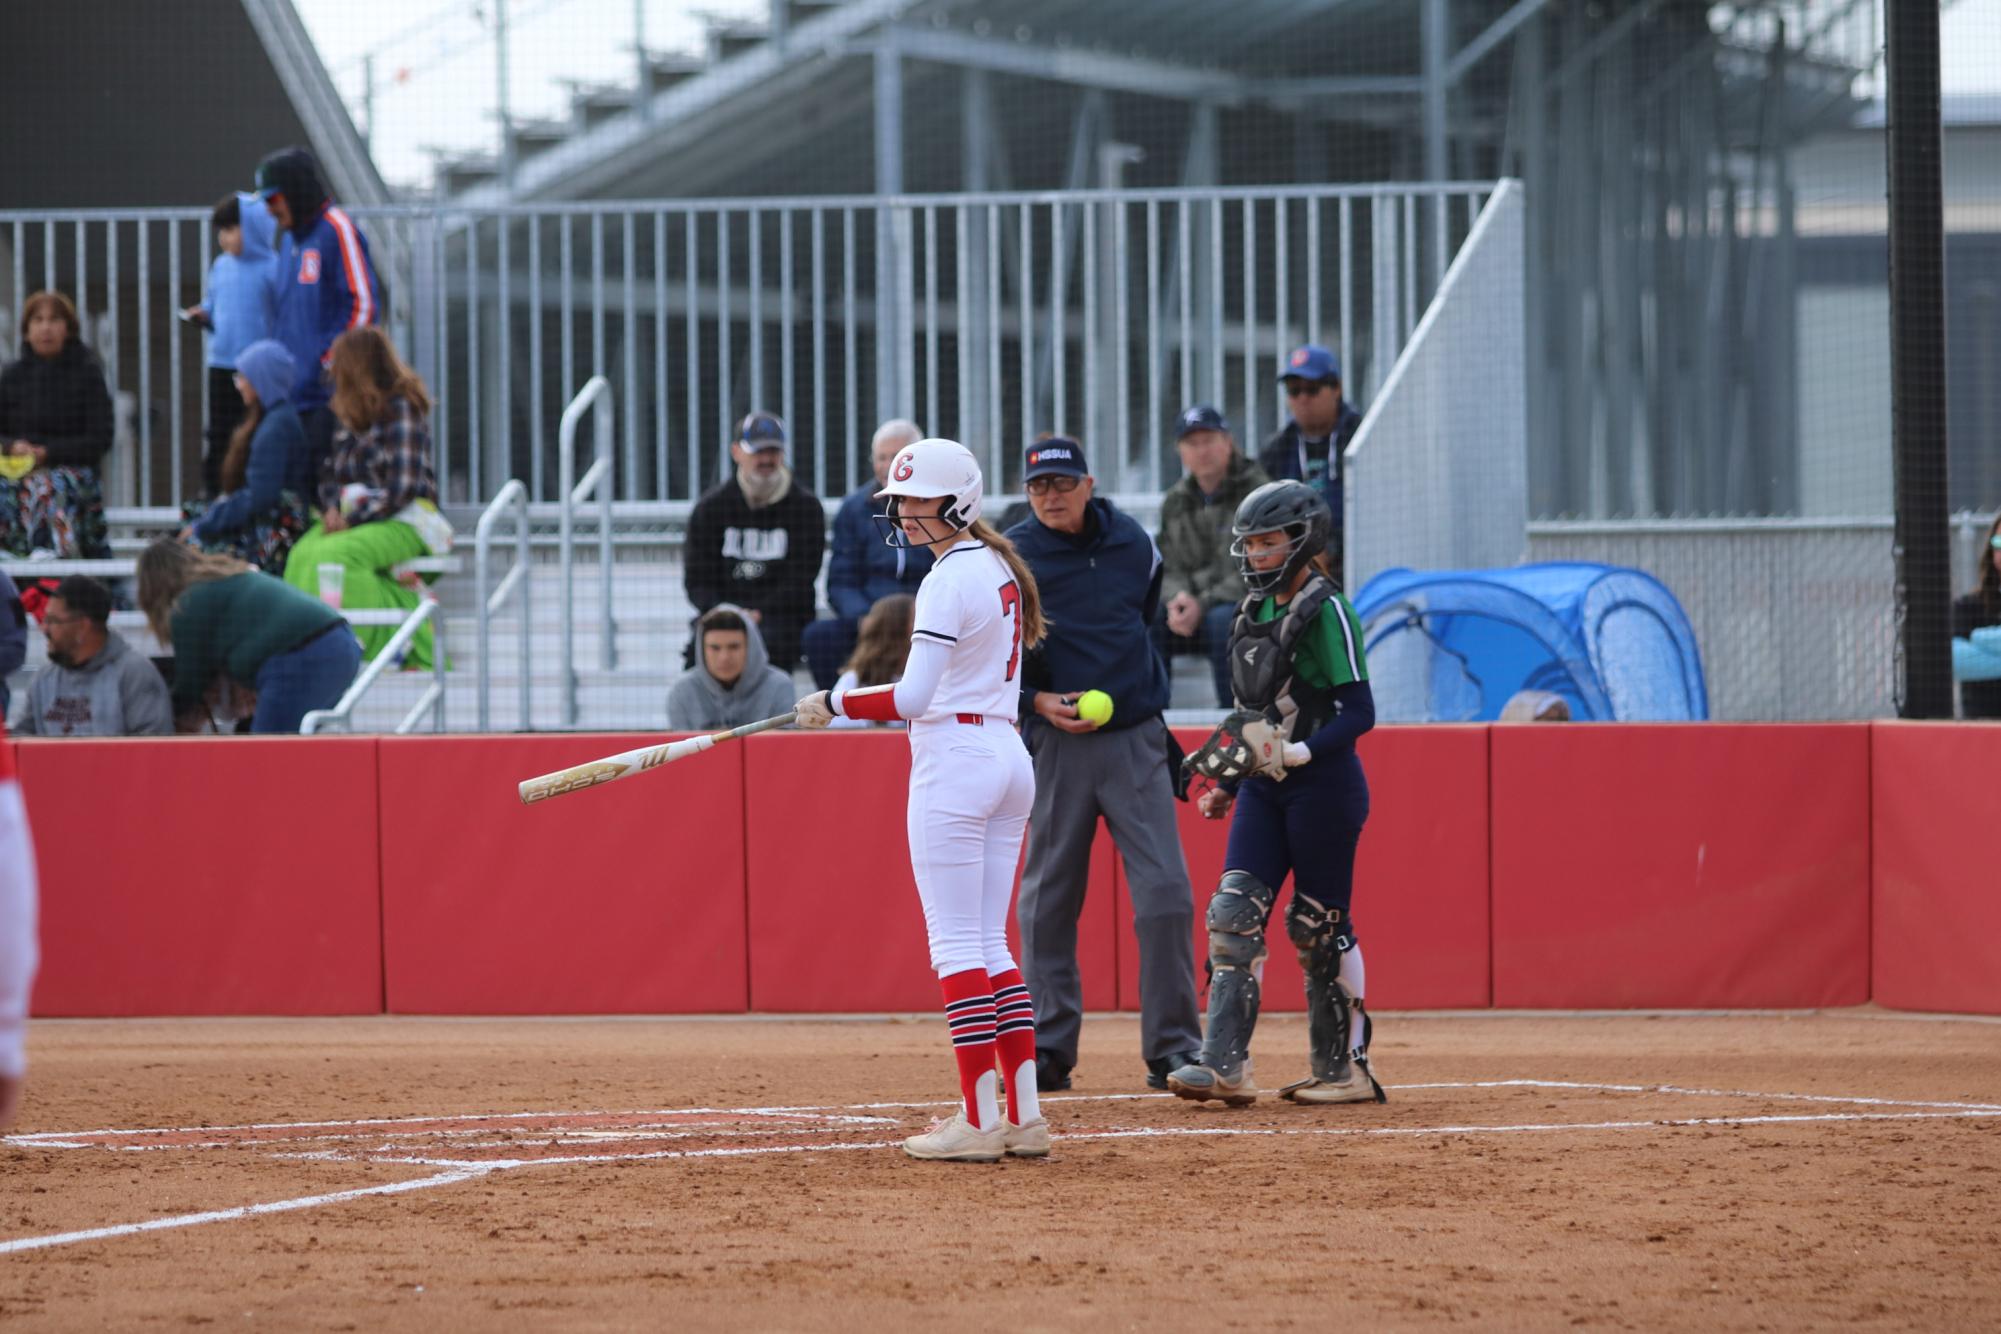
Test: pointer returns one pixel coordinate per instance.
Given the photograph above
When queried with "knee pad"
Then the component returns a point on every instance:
(1237, 914)
(1312, 925)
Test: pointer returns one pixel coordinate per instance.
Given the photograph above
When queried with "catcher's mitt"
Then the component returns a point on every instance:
(1242, 744)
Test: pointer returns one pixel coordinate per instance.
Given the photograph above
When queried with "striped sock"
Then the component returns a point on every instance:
(1014, 1013)
(969, 1013)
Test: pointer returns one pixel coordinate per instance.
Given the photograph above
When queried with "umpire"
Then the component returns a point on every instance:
(1099, 574)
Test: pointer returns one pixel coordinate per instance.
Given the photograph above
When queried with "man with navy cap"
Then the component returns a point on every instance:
(1199, 585)
(1099, 576)
(755, 540)
(1308, 449)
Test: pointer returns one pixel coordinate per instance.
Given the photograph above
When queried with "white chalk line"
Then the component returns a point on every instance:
(243, 1211)
(458, 1170)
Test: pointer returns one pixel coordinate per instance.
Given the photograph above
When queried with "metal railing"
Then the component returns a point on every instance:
(407, 624)
(1098, 313)
(513, 496)
(595, 395)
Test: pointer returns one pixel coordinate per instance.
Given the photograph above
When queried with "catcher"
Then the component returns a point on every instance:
(1286, 759)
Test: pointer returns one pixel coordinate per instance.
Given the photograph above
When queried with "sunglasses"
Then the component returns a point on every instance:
(1303, 388)
(1042, 486)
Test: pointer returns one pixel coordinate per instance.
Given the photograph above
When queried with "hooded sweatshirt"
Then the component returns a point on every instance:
(59, 403)
(326, 279)
(700, 703)
(764, 556)
(242, 297)
(116, 693)
(280, 456)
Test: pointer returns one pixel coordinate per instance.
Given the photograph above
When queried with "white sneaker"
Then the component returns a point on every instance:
(1030, 1139)
(959, 1141)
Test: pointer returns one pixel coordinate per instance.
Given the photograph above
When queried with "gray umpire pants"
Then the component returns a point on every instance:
(1123, 777)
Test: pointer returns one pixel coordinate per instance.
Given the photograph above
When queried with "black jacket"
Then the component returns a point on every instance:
(1281, 459)
(763, 559)
(59, 403)
(1099, 590)
(1977, 699)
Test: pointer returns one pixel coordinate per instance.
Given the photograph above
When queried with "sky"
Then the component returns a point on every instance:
(435, 67)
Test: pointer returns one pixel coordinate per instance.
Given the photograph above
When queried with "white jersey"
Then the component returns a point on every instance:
(970, 603)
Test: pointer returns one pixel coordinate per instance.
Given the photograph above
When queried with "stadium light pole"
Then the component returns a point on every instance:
(1917, 357)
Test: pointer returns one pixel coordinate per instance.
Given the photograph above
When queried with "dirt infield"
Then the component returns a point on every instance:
(1740, 1172)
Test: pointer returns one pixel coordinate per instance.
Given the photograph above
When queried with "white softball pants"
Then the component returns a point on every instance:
(971, 785)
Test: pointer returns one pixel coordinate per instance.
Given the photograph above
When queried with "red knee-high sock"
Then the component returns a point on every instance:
(969, 1013)
(1014, 1014)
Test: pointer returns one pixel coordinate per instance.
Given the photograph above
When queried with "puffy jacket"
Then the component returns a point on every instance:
(59, 403)
(864, 569)
(1099, 590)
(1195, 536)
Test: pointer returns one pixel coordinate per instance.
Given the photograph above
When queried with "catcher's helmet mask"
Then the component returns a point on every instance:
(1293, 508)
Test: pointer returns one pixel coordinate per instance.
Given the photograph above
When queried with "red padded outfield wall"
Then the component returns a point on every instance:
(1680, 866)
(1673, 866)
(1937, 898)
(206, 876)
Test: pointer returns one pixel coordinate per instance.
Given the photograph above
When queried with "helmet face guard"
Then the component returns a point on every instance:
(892, 520)
(1267, 582)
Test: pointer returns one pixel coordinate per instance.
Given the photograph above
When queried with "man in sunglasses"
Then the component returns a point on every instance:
(1309, 447)
(1099, 575)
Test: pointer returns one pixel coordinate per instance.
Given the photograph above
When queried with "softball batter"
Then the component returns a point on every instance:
(970, 786)
(1287, 761)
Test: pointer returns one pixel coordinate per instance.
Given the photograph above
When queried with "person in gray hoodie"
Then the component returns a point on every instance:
(734, 683)
(95, 683)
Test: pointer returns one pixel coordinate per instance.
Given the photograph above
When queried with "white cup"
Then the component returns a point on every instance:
(332, 577)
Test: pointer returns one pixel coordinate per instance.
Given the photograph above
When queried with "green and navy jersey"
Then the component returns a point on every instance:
(1330, 652)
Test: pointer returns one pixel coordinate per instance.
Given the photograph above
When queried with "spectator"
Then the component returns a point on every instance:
(881, 649)
(735, 683)
(13, 637)
(1199, 584)
(55, 425)
(234, 629)
(378, 496)
(95, 684)
(1100, 579)
(1536, 706)
(1976, 634)
(326, 282)
(266, 471)
(755, 540)
(241, 305)
(1308, 448)
(864, 569)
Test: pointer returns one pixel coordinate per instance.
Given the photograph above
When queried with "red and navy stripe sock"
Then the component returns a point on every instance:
(1014, 1015)
(969, 1013)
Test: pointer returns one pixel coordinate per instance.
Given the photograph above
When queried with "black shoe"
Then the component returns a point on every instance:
(1051, 1075)
(1157, 1071)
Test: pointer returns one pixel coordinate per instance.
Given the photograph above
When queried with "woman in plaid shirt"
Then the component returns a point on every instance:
(378, 496)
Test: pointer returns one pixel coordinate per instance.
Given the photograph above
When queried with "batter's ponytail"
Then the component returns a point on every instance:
(1033, 627)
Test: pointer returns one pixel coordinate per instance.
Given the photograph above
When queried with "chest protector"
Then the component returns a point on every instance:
(1262, 663)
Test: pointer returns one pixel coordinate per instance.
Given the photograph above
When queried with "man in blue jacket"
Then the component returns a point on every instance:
(1099, 574)
(326, 282)
(863, 569)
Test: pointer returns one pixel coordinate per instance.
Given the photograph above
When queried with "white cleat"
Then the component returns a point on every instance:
(1030, 1139)
(959, 1141)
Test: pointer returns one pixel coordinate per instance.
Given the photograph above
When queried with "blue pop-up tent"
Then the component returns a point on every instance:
(1455, 645)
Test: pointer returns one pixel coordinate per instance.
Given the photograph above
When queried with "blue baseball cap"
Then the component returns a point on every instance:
(1059, 455)
(1311, 362)
(1201, 417)
(762, 430)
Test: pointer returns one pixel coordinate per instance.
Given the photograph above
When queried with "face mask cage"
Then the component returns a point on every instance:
(891, 524)
(1266, 582)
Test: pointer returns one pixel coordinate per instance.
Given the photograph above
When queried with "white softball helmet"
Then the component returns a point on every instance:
(928, 468)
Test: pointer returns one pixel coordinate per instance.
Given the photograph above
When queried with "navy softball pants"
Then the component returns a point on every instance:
(1307, 827)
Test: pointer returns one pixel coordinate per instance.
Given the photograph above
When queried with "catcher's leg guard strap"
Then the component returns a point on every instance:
(1237, 915)
(1337, 1025)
